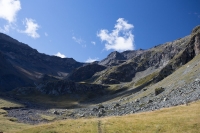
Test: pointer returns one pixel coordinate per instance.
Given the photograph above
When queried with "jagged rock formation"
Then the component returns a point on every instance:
(115, 58)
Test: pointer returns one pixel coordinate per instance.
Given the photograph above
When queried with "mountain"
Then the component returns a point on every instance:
(28, 62)
(115, 58)
(85, 72)
(125, 70)
(33, 63)
(9, 76)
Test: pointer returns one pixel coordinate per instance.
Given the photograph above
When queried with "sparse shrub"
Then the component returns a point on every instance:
(100, 106)
(159, 90)
(13, 119)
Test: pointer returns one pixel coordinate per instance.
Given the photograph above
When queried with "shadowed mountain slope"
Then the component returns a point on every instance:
(31, 62)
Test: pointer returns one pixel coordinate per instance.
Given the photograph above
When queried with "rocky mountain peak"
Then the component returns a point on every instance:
(196, 30)
(116, 55)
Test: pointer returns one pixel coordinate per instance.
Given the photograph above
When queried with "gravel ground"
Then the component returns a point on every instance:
(166, 98)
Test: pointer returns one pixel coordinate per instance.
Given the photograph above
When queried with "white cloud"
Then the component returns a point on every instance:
(94, 43)
(45, 34)
(31, 28)
(78, 40)
(9, 9)
(89, 60)
(60, 55)
(120, 39)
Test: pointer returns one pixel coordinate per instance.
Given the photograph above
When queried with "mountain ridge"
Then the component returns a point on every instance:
(117, 68)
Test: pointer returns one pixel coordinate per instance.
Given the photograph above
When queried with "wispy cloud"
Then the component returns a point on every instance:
(78, 40)
(45, 34)
(89, 60)
(94, 43)
(120, 39)
(31, 28)
(5, 28)
(195, 14)
(60, 55)
(9, 9)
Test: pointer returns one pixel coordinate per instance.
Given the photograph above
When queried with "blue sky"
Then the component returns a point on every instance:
(88, 30)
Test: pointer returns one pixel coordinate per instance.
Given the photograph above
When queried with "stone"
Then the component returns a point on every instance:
(144, 89)
(136, 100)
(150, 101)
(165, 99)
(116, 105)
(94, 109)
(56, 113)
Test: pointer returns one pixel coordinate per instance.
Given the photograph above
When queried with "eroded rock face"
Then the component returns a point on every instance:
(197, 44)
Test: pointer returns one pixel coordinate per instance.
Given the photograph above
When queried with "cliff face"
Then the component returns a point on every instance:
(196, 39)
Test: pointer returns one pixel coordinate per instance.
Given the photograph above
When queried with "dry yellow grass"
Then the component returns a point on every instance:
(183, 119)
(8, 124)
(7, 103)
(67, 126)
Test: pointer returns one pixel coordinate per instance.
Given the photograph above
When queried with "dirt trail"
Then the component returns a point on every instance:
(99, 127)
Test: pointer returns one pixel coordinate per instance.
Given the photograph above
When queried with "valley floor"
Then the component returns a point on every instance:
(183, 119)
